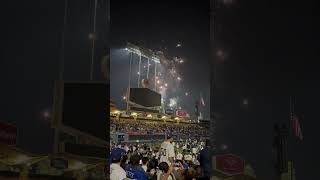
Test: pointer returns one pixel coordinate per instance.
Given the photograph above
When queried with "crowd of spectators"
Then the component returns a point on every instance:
(140, 161)
(177, 129)
(143, 161)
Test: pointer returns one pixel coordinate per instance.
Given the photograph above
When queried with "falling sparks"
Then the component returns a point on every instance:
(172, 102)
(166, 78)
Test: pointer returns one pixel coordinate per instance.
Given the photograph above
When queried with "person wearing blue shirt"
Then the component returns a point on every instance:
(134, 170)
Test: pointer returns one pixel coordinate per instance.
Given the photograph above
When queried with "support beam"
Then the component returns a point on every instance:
(139, 72)
(148, 69)
(155, 77)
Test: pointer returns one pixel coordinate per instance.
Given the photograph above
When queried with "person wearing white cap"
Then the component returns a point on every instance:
(188, 157)
(179, 156)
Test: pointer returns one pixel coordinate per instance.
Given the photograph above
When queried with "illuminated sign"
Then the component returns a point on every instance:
(8, 134)
(229, 164)
(181, 113)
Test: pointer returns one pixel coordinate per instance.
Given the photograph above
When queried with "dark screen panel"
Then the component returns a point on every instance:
(84, 108)
(144, 110)
(145, 97)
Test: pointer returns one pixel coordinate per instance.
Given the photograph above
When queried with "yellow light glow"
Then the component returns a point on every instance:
(116, 112)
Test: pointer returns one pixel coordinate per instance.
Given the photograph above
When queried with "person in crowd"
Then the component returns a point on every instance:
(152, 169)
(188, 150)
(116, 171)
(189, 174)
(178, 169)
(157, 154)
(167, 153)
(195, 160)
(145, 161)
(179, 157)
(166, 172)
(205, 159)
(198, 172)
(124, 161)
(134, 170)
(126, 148)
(187, 161)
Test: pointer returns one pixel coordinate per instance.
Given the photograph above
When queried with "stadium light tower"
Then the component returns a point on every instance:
(146, 53)
(150, 56)
(129, 82)
(139, 70)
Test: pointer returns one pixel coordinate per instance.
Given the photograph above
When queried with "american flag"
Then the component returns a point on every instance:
(295, 125)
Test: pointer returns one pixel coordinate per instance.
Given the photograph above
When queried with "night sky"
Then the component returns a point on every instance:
(29, 64)
(271, 53)
(30, 58)
(153, 25)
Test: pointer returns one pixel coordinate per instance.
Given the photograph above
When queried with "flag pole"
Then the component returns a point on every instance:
(292, 104)
(290, 115)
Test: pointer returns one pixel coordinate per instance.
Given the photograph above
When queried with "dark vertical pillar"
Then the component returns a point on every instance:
(212, 125)
(212, 78)
(281, 149)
